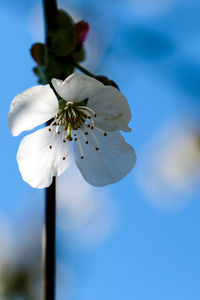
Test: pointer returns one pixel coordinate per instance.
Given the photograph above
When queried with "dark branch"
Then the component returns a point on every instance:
(49, 234)
(50, 10)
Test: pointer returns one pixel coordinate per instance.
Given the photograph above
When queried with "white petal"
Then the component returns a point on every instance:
(37, 162)
(31, 108)
(77, 87)
(112, 109)
(111, 163)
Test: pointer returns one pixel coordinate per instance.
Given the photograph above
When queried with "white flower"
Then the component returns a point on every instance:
(89, 113)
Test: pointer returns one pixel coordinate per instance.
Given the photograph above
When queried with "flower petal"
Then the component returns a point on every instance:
(113, 161)
(31, 108)
(112, 109)
(37, 162)
(77, 87)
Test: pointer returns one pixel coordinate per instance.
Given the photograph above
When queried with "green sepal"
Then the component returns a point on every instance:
(78, 55)
(106, 81)
(38, 53)
(40, 71)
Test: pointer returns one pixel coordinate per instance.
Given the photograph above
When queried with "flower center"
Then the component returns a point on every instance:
(75, 118)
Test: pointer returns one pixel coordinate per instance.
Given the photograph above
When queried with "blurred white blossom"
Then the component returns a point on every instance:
(170, 170)
(87, 214)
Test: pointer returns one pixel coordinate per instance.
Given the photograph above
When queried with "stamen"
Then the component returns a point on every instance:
(82, 133)
(58, 124)
(53, 134)
(73, 111)
(86, 108)
(52, 123)
(86, 113)
(63, 136)
(100, 130)
(80, 147)
(95, 138)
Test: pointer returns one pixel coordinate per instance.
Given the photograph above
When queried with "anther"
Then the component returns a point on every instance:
(64, 141)
(58, 132)
(88, 126)
(92, 127)
(75, 139)
(49, 129)
(95, 115)
(86, 133)
(89, 118)
(63, 157)
(86, 142)
(82, 157)
(97, 148)
(105, 134)
(50, 147)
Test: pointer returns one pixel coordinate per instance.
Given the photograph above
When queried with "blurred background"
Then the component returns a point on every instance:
(140, 238)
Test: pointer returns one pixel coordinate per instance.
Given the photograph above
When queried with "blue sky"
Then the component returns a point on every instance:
(154, 56)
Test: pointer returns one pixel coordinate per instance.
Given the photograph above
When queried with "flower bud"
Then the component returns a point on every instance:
(81, 30)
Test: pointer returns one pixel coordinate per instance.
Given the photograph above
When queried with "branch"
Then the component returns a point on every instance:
(49, 232)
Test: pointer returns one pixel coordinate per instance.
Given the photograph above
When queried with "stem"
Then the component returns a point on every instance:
(82, 69)
(49, 237)
(49, 231)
